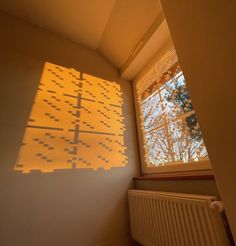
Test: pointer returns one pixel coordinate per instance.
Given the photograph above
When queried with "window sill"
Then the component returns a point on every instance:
(191, 168)
(178, 176)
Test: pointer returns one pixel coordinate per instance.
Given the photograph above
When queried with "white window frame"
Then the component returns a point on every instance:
(174, 167)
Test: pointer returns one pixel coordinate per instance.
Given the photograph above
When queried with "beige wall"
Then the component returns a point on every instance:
(70, 207)
(204, 33)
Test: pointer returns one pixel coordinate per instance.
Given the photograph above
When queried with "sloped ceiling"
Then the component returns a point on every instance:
(82, 21)
(113, 28)
(129, 21)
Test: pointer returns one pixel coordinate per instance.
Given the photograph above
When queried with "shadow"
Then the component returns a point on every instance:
(76, 122)
(61, 205)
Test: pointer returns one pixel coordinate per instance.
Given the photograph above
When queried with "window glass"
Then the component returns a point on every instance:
(170, 130)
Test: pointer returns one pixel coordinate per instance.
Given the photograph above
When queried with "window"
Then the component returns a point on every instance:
(170, 132)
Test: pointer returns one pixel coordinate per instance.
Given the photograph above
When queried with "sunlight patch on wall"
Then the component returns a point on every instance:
(76, 122)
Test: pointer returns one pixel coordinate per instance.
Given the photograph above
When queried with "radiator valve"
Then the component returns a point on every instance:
(218, 206)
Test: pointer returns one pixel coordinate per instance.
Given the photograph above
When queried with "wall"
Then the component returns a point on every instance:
(66, 207)
(204, 34)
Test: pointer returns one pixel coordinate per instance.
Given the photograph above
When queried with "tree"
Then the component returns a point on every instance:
(178, 94)
(170, 125)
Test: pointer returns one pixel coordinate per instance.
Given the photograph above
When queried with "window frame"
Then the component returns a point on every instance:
(173, 167)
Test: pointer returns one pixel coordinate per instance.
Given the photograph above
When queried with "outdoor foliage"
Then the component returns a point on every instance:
(172, 132)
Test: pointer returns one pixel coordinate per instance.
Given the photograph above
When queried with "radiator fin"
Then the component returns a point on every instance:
(174, 219)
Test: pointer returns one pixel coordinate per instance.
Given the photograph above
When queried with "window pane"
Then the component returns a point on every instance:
(157, 147)
(187, 140)
(152, 113)
(171, 132)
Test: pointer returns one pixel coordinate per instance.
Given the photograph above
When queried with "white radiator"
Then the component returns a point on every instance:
(175, 219)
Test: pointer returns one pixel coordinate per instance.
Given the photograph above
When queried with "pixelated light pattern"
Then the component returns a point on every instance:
(76, 122)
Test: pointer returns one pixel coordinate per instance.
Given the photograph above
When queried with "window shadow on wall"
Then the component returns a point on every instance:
(76, 122)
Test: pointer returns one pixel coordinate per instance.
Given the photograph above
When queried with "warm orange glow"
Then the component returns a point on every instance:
(76, 122)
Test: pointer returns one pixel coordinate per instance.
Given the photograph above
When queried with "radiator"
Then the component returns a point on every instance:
(175, 219)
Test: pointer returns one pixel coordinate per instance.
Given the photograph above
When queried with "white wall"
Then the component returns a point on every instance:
(204, 34)
(70, 207)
